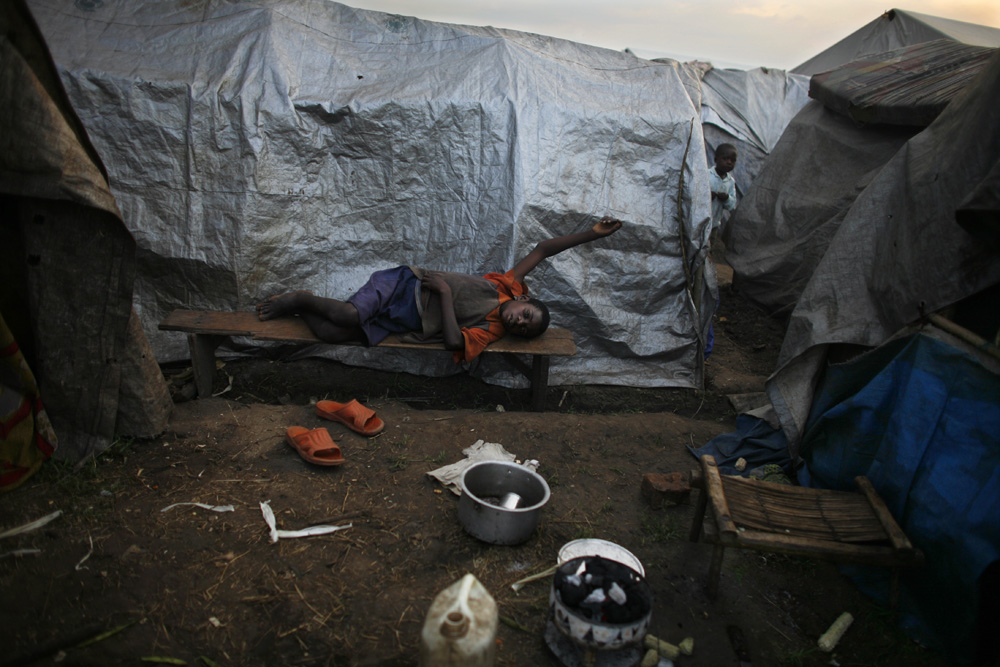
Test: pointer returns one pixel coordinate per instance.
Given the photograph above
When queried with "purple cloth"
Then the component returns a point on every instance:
(387, 304)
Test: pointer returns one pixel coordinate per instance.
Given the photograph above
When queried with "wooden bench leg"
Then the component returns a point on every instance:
(202, 348)
(715, 570)
(537, 374)
(699, 516)
(539, 381)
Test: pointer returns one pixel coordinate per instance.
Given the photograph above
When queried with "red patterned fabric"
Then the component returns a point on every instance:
(26, 435)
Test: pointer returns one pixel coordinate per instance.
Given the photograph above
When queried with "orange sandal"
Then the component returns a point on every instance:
(315, 446)
(353, 415)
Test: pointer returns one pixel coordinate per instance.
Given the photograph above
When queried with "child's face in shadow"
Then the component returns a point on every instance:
(521, 318)
(724, 162)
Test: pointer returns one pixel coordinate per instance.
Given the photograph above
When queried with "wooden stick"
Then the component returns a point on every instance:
(968, 336)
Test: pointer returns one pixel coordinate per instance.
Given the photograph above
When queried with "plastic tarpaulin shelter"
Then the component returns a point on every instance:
(908, 86)
(827, 157)
(66, 269)
(863, 229)
(899, 250)
(786, 221)
(749, 109)
(920, 417)
(258, 147)
(895, 29)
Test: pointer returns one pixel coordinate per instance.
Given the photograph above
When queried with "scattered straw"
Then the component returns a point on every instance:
(79, 566)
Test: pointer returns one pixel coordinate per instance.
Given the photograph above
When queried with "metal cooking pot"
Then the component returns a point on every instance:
(487, 508)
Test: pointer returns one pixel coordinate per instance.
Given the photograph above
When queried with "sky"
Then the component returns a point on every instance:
(729, 33)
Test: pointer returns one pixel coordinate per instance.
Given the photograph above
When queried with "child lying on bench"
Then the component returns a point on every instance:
(463, 311)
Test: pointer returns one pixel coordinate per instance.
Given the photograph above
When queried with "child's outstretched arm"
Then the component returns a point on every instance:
(604, 227)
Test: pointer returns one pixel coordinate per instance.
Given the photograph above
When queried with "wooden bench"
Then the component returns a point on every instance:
(208, 329)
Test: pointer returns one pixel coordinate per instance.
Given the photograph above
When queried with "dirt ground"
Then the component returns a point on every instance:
(197, 587)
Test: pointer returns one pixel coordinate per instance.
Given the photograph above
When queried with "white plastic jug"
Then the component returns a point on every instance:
(461, 627)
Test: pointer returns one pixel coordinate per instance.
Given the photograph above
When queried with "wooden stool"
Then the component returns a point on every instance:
(819, 523)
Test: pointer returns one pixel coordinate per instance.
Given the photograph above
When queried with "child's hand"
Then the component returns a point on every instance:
(432, 281)
(607, 225)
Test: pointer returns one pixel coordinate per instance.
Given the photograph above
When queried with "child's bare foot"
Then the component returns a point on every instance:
(280, 305)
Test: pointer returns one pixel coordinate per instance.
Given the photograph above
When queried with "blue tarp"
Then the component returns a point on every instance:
(921, 419)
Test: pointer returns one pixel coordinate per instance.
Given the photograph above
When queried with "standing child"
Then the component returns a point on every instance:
(722, 184)
(465, 312)
(723, 188)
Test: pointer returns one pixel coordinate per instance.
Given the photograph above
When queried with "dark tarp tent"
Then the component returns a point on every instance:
(895, 29)
(826, 158)
(897, 251)
(67, 261)
(914, 231)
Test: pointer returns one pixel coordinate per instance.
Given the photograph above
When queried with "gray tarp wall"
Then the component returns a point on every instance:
(749, 109)
(259, 147)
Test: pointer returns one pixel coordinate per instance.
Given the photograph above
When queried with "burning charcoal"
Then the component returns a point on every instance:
(572, 592)
(635, 607)
(599, 567)
(619, 614)
(603, 591)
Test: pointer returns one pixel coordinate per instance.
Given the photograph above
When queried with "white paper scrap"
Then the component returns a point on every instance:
(265, 509)
(214, 508)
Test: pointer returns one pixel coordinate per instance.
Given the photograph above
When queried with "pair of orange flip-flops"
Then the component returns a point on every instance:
(316, 445)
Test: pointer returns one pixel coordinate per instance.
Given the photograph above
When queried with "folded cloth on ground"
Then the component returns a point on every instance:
(450, 475)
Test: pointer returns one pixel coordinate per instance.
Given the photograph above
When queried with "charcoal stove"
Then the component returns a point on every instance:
(599, 613)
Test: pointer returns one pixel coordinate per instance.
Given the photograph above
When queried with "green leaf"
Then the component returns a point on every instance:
(104, 635)
(164, 660)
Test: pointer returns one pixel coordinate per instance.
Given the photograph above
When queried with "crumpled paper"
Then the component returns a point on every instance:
(451, 475)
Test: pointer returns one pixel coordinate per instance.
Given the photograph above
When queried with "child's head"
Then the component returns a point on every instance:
(725, 159)
(525, 316)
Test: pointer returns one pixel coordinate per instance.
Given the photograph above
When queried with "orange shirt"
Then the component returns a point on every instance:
(477, 338)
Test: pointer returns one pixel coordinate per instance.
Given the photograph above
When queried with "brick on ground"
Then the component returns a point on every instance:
(666, 489)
